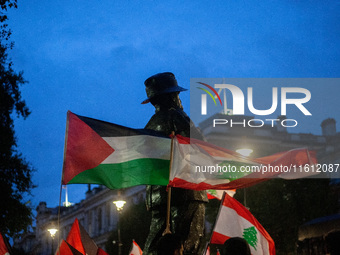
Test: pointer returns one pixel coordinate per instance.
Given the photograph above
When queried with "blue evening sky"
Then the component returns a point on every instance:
(92, 57)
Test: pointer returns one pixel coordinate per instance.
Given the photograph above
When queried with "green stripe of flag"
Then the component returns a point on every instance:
(143, 171)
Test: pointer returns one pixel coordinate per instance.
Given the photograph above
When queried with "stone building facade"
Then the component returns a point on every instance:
(96, 213)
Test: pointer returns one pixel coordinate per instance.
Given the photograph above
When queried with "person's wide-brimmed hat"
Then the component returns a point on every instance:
(161, 83)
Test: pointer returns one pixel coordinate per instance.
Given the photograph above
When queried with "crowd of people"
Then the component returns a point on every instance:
(172, 244)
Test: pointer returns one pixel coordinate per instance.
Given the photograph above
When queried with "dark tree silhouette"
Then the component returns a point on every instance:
(15, 171)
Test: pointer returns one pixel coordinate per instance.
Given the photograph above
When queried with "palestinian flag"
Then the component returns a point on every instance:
(99, 152)
(79, 239)
(202, 166)
(234, 220)
(78, 242)
(66, 249)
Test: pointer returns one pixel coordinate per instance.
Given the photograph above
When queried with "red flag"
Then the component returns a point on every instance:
(135, 249)
(80, 240)
(234, 220)
(4, 249)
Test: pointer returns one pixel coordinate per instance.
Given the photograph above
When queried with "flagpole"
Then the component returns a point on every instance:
(167, 226)
(219, 211)
(62, 176)
(205, 249)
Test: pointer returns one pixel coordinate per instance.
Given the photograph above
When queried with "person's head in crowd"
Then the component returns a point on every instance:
(236, 246)
(170, 244)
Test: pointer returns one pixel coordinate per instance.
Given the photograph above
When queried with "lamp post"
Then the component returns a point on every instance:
(52, 231)
(244, 152)
(119, 203)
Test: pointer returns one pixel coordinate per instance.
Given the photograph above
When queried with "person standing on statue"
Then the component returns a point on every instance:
(187, 206)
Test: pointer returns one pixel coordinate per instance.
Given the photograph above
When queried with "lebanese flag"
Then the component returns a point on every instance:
(4, 249)
(99, 152)
(207, 251)
(218, 194)
(66, 249)
(80, 240)
(199, 165)
(234, 220)
(135, 249)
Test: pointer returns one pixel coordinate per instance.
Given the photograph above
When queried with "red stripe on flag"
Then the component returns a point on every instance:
(209, 196)
(298, 157)
(218, 238)
(85, 149)
(236, 184)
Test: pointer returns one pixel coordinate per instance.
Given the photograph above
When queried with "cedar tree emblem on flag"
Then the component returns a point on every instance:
(249, 234)
(234, 220)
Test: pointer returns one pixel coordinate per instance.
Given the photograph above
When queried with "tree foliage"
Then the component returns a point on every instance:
(15, 171)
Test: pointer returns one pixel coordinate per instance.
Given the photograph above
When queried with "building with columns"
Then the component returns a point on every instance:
(96, 213)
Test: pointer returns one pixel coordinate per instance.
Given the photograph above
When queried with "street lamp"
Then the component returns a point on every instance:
(119, 203)
(52, 231)
(245, 152)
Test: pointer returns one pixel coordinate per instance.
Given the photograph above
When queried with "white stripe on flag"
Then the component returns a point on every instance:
(135, 147)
